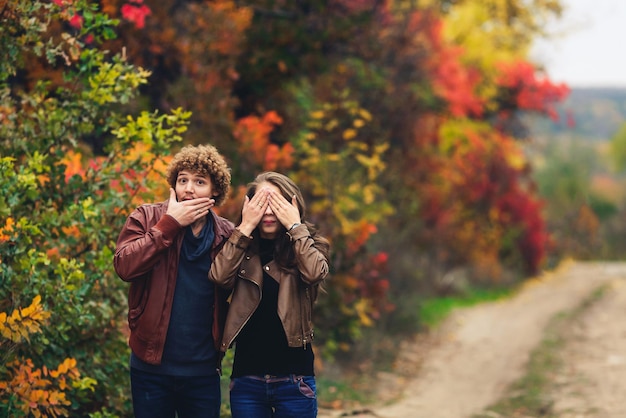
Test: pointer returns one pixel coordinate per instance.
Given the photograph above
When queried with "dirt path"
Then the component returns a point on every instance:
(593, 385)
(469, 362)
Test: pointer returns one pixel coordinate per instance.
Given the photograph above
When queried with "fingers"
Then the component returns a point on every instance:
(258, 202)
(280, 203)
(252, 212)
(188, 211)
(254, 208)
(286, 212)
(261, 199)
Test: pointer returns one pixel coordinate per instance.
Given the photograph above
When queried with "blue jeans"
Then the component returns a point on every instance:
(273, 396)
(162, 396)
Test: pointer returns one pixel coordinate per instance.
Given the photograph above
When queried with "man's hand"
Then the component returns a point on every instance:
(188, 211)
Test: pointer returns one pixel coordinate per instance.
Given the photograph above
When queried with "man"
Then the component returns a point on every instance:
(175, 314)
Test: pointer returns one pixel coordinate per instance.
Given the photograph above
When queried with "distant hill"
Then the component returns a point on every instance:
(597, 114)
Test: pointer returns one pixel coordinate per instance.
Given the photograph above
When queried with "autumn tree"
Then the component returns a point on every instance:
(398, 119)
(62, 325)
(443, 108)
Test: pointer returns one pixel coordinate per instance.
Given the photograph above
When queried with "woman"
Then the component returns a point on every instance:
(275, 262)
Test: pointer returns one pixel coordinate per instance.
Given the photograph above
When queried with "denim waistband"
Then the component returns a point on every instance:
(269, 378)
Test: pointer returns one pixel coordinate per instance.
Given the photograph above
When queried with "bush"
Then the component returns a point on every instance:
(62, 309)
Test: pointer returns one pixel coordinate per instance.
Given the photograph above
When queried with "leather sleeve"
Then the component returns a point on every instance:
(226, 264)
(142, 241)
(312, 264)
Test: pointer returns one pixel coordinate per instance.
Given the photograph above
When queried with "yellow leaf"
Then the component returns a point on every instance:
(349, 134)
(23, 332)
(6, 333)
(62, 369)
(332, 124)
(15, 316)
(361, 308)
(516, 160)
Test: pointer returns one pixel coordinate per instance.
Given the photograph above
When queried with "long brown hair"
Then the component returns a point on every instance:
(283, 250)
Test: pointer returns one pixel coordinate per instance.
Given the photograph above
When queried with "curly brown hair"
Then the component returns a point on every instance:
(206, 160)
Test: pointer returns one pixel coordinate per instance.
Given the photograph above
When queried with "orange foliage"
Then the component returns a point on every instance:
(253, 135)
(24, 321)
(73, 164)
(360, 235)
(237, 18)
(39, 392)
(77, 164)
(456, 84)
(191, 49)
(451, 79)
(530, 92)
(7, 231)
(476, 196)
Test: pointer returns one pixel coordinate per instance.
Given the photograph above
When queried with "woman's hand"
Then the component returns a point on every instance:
(252, 211)
(286, 212)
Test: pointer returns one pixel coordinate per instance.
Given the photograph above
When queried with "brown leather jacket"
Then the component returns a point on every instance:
(238, 266)
(146, 255)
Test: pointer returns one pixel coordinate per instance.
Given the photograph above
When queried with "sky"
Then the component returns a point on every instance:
(588, 47)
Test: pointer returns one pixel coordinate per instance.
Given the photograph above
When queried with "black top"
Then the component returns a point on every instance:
(261, 348)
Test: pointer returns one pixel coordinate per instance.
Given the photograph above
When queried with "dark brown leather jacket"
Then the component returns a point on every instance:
(238, 266)
(146, 255)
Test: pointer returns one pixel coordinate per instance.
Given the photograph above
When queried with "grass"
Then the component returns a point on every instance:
(434, 311)
(333, 393)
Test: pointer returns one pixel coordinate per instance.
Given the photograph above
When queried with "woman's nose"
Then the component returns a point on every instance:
(268, 210)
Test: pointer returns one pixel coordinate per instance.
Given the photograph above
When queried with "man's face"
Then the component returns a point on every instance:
(192, 185)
